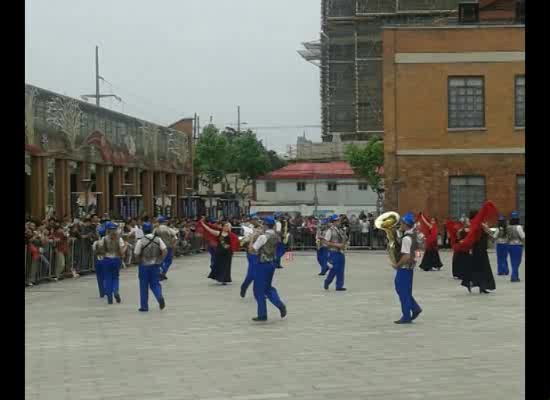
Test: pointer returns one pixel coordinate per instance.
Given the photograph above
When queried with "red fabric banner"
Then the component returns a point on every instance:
(213, 239)
(487, 213)
(429, 233)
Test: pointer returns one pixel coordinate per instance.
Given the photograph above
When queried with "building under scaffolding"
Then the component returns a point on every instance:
(349, 54)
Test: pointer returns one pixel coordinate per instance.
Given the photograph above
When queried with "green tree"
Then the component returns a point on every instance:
(275, 161)
(210, 163)
(248, 159)
(366, 160)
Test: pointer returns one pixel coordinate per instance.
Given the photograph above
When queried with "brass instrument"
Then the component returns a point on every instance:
(250, 234)
(388, 223)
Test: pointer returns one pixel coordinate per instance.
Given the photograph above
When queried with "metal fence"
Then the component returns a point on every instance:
(304, 239)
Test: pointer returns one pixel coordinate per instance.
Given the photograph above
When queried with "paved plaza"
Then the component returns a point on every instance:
(332, 345)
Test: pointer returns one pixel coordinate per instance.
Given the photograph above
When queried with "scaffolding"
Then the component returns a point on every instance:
(349, 55)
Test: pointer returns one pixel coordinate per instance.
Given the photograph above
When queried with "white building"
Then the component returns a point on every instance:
(331, 188)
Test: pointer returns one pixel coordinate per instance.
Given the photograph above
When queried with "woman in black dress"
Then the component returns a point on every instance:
(227, 241)
(431, 259)
(461, 259)
(478, 272)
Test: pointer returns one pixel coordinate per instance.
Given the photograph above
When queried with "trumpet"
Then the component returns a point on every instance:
(388, 223)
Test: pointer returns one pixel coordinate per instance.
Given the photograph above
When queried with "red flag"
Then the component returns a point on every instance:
(429, 233)
(213, 239)
(487, 213)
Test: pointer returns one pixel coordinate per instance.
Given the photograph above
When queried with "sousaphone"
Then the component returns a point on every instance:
(388, 222)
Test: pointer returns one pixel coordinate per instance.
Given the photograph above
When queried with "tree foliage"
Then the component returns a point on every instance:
(230, 152)
(365, 160)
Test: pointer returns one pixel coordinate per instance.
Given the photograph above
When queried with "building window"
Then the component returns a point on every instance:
(520, 101)
(331, 186)
(466, 102)
(466, 193)
(363, 186)
(301, 186)
(521, 197)
(271, 186)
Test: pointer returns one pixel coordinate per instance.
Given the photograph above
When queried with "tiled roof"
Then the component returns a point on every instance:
(330, 170)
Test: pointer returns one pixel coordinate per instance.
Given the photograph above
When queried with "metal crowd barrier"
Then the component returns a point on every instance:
(304, 239)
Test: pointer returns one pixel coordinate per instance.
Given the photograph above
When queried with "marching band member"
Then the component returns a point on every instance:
(168, 236)
(501, 239)
(99, 250)
(431, 259)
(516, 237)
(335, 239)
(114, 251)
(150, 251)
(322, 249)
(281, 229)
(405, 270)
(265, 246)
(251, 255)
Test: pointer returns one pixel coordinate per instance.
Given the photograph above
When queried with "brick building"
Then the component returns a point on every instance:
(454, 115)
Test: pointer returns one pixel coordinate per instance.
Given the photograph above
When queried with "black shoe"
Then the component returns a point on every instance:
(243, 292)
(402, 321)
(258, 319)
(283, 311)
(322, 273)
(279, 267)
(341, 289)
(117, 298)
(143, 310)
(415, 314)
(163, 276)
(109, 301)
(325, 285)
(162, 303)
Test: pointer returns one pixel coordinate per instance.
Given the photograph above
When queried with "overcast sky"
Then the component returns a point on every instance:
(168, 59)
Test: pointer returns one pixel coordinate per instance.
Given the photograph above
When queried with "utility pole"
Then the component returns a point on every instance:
(239, 119)
(97, 94)
(97, 76)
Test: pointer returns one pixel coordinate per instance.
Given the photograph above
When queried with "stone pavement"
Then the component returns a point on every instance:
(332, 345)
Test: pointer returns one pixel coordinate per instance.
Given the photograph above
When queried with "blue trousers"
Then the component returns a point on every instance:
(502, 258)
(516, 252)
(149, 278)
(167, 260)
(212, 251)
(322, 258)
(338, 261)
(252, 261)
(263, 289)
(99, 273)
(111, 269)
(279, 252)
(403, 287)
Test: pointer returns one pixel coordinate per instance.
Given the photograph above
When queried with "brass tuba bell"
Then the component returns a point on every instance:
(388, 223)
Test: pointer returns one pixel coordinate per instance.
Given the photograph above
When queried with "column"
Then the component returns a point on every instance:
(39, 184)
(102, 185)
(147, 192)
(180, 194)
(118, 179)
(62, 188)
(133, 176)
(172, 184)
(83, 169)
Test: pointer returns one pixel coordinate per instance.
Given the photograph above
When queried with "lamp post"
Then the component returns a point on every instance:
(210, 192)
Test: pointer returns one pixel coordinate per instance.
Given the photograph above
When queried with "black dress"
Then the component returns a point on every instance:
(461, 264)
(431, 260)
(478, 271)
(221, 270)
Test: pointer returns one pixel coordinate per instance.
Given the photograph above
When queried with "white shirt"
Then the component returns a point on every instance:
(137, 231)
(278, 227)
(258, 244)
(520, 231)
(113, 255)
(406, 242)
(141, 243)
(364, 227)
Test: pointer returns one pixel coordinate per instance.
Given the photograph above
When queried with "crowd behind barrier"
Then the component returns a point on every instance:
(55, 249)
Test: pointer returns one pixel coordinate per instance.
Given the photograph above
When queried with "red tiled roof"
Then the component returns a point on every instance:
(330, 170)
